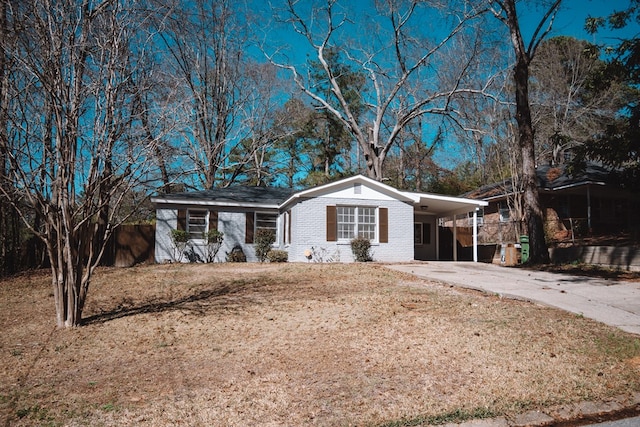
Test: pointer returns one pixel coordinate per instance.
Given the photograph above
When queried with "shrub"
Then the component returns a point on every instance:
(263, 241)
(276, 255)
(236, 255)
(361, 248)
(213, 242)
(180, 240)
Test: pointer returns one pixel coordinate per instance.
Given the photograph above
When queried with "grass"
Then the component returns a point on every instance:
(456, 416)
(294, 344)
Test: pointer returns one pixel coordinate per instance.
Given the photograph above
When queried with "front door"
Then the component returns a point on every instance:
(424, 238)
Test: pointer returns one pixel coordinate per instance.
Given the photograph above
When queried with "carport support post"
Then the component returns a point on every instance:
(588, 209)
(475, 235)
(455, 237)
(438, 238)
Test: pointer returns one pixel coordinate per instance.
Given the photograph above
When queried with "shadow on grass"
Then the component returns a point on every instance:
(196, 303)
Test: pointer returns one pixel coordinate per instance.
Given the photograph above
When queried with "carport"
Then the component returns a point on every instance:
(429, 209)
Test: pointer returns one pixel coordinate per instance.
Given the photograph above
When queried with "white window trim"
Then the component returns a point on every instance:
(374, 241)
(277, 224)
(287, 228)
(188, 223)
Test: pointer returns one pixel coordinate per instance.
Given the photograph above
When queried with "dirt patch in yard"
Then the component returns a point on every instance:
(293, 344)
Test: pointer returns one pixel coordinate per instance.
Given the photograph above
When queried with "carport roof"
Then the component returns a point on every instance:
(444, 206)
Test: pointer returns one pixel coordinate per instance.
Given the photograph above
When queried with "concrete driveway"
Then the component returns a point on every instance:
(611, 302)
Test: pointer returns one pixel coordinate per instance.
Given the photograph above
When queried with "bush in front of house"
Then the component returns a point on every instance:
(361, 248)
(263, 241)
(236, 255)
(180, 241)
(277, 255)
(213, 242)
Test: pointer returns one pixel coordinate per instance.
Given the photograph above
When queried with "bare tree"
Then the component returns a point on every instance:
(252, 158)
(9, 233)
(205, 44)
(505, 11)
(295, 121)
(398, 60)
(157, 122)
(75, 153)
(571, 100)
(410, 164)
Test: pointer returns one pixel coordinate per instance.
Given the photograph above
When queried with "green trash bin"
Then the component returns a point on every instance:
(524, 248)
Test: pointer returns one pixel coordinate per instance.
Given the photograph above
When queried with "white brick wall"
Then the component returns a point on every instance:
(166, 220)
(309, 231)
(232, 224)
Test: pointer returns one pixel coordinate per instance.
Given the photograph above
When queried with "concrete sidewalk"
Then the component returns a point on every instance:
(611, 302)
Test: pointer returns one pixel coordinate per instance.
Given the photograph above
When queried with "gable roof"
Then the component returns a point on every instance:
(239, 196)
(550, 178)
(347, 182)
(434, 204)
(276, 198)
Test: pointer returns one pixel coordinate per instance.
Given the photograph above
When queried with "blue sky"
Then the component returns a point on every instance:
(570, 20)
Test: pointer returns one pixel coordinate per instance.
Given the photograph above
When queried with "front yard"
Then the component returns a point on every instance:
(293, 344)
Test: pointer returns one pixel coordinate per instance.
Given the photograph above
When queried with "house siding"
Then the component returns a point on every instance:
(309, 230)
(233, 225)
(166, 220)
(230, 222)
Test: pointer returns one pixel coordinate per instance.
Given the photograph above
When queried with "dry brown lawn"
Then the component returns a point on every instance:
(293, 345)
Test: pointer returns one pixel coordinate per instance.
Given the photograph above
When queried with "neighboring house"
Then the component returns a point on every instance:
(591, 202)
(315, 224)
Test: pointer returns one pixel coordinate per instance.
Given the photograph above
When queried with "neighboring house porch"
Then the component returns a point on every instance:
(591, 203)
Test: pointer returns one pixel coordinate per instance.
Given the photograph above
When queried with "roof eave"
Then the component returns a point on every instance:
(576, 184)
(191, 202)
(311, 192)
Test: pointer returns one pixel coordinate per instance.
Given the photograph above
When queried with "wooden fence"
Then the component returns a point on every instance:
(130, 245)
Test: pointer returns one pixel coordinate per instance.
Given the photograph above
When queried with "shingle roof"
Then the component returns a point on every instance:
(234, 194)
(550, 178)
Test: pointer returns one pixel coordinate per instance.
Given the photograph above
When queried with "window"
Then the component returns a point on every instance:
(355, 221)
(196, 223)
(346, 222)
(266, 221)
(479, 217)
(367, 223)
(421, 233)
(505, 212)
(260, 221)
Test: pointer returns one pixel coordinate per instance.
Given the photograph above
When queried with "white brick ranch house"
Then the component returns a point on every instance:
(321, 221)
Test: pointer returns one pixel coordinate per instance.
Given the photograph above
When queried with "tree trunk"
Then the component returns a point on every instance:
(538, 252)
(373, 156)
(532, 210)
